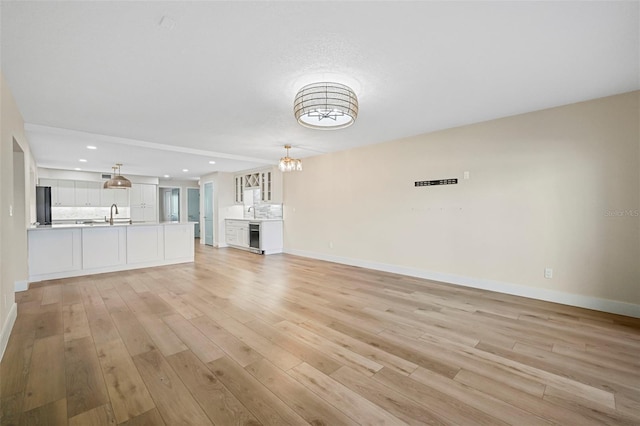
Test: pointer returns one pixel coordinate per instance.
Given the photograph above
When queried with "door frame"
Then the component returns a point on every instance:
(196, 188)
(203, 222)
(179, 188)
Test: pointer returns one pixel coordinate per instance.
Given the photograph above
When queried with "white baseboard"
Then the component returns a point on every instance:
(578, 300)
(22, 285)
(7, 327)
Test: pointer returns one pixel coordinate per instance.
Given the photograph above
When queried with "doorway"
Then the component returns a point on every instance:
(208, 213)
(169, 204)
(193, 209)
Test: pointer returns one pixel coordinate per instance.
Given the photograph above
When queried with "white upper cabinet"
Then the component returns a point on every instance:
(267, 181)
(144, 202)
(271, 186)
(88, 194)
(119, 197)
(239, 189)
(63, 192)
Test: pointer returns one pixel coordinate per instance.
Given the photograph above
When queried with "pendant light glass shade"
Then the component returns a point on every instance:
(117, 180)
(326, 106)
(288, 164)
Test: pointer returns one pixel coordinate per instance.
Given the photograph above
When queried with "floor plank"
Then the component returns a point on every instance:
(237, 338)
(230, 344)
(76, 324)
(14, 369)
(222, 407)
(128, 393)
(354, 405)
(150, 418)
(303, 351)
(46, 382)
(448, 408)
(85, 384)
(199, 344)
(174, 402)
(262, 403)
(299, 398)
(98, 416)
(53, 413)
(132, 333)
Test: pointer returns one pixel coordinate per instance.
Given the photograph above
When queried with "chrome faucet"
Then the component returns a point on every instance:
(111, 213)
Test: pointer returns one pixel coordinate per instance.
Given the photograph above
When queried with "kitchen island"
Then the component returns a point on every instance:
(71, 250)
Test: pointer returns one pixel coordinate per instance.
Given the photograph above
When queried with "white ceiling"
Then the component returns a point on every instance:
(219, 85)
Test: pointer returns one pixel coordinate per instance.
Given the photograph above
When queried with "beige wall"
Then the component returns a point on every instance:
(556, 188)
(17, 188)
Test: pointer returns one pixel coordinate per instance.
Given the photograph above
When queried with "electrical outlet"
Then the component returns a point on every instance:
(548, 273)
(466, 175)
(330, 244)
(10, 209)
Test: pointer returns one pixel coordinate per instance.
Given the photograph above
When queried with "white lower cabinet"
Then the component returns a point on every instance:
(237, 233)
(271, 237)
(271, 234)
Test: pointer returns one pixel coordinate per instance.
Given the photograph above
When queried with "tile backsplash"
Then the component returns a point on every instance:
(264, 211)
(86, 213)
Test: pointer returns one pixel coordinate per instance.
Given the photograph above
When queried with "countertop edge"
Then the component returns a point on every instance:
(256, 220)
(103, 226)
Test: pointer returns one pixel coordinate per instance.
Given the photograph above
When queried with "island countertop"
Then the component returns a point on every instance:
(103, 225)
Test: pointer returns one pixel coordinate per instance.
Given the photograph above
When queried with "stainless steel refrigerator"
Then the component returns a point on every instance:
(43, 205)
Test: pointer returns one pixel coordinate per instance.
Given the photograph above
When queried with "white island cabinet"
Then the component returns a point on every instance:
(74, 250)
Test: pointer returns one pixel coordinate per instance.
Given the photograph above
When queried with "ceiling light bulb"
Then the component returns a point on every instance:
(212, 162)
(91, 147)
(185, 170)
(82, 160)
(167, 176)
(77, 168)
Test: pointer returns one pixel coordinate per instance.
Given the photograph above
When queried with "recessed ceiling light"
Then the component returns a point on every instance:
(212, 162)
(167, 23)
(82, 160)
(91, 147)
(77, 168)
(185, 170)
(167, 176)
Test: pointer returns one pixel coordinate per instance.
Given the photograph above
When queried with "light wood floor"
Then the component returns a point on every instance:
(238, 338)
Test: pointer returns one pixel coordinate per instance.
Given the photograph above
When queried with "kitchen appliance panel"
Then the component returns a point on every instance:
(43, 205)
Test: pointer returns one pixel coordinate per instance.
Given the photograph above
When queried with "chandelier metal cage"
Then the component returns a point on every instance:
(326, 106)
